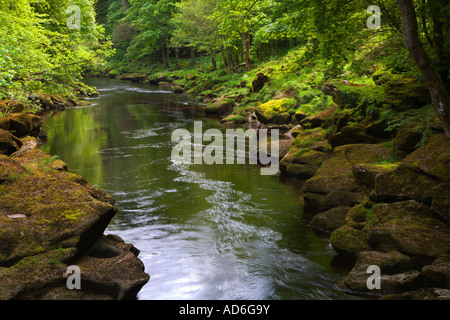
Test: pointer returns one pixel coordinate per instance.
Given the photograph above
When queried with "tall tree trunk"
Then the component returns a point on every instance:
(165, 55)
(213, 62)
(177, 54)
(437, 89)
(246, 46)
(193, 53)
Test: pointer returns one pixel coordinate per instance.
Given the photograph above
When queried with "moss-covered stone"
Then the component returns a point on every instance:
(330, 220)
(309, 149)
(410, 228)
(21, 124)
(349, 242)
(437, 275)
(441, 201)
(58, 211)
(8, 143)
(275, 111)
(220, 107)
(417, 175)
(322, 119)
(334, 183)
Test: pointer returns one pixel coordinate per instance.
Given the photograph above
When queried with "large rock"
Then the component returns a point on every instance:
(275, 111)
(321, 119)
(437, 275)
(259, 82)
(334, 183)
(330, 220)
(410, 228)
(407, 138)
(420, 176)
(49, 218)
(309, 149)
(349, 242)
(220, 107)
(397, 273)
(8, 143)
(21, 124)
(354, 134)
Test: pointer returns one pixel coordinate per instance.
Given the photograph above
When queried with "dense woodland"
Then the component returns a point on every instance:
(40, 52)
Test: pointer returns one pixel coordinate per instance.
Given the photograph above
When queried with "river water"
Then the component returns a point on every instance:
(205, 232)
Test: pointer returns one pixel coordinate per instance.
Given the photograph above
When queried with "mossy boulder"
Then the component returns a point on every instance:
(48, 219)
(407, 139)
(233, 120)
(259, 82)
(408, 227)
(417, 175)
(334, 183)
(348, 242)
(309, 149)
(275, 111)
(114, 273)
(21, 124)
(359, 98)
(330, 220)
(177, 89)
(322, 119)
(220, 107)
(437, 275)
(366, 173)
(56, 210)
(441, 201)
(407, 92)
(8, 143)
(353, 134)
(12, 106)
(133, 77)
(397, 273)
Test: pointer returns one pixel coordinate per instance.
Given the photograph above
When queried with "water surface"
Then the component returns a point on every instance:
(205, 232)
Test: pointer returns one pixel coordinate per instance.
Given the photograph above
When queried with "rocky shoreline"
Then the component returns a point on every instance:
(381, 193)
(51, 219)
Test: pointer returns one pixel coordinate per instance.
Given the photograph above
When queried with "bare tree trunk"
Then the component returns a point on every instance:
(435, 84)
(165, 54)
(213, 62)
(246, 46)
(177, 54)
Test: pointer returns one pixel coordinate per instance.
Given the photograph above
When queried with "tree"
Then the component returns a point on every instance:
(40, 52)
(415, 46)
(153, 22)
(238, 19)
(195, 28)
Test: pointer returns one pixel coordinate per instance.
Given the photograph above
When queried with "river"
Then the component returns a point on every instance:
(205, 232)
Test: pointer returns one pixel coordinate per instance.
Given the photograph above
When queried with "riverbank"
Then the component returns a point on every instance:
(51, 219)
(373, 156)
